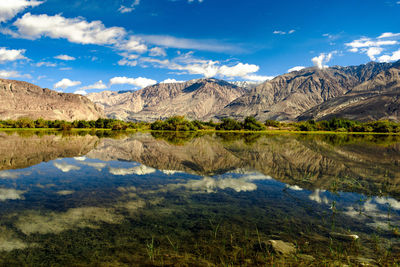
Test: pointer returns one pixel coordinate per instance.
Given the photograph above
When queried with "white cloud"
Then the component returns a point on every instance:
(11, 54)
(13, 74)
(138, 82)
(191, 1)
(321, 60)
(239, 70)
(185, 43)
(65, 167)
(283, 32)
(207, 68)
(368, 42)
(157, 51)
(45, 63)
(394, 57)
(65, 83)
(374, 51)
(297, 68)
(75, 30)
(172, 81)
(134, 43)
(138, 170)
(12, 174)
(127, 9)
(373, 47)
(80, 92)
(258, 78)
(96, 85)
(128, 59)
(12, 194)
(65, 57)
(388, 35)
(10, 8)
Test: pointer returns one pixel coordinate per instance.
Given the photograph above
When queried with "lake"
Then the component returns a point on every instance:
(198, 199)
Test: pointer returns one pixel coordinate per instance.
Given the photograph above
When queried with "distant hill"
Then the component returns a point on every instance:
(196, 99)
(21, 99)
(288, 96)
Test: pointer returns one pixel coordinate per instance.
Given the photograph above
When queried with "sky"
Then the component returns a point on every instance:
(85, 46)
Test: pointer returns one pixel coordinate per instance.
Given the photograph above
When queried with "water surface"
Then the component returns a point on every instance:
(198, 199)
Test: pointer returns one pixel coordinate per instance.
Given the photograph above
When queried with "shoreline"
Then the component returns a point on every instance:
(278, 131)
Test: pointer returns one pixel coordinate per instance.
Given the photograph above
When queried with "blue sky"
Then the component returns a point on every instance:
(89, 45)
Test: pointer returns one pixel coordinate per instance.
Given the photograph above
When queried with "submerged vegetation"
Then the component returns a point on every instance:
(181, 124)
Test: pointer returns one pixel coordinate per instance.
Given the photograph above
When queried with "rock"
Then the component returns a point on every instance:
(305, 257)
(364, 261)
(280, 247)
(344, 237)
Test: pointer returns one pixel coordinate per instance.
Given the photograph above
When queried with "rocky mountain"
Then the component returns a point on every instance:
(375, 99)
(196, 99)
(21, 99)
(288, 96)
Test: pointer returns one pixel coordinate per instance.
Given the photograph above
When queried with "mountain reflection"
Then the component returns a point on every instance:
(357, 163)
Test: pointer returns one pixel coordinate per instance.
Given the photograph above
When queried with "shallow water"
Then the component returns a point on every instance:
(198, 199)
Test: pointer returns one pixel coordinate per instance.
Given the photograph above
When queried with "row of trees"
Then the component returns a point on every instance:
(343, 125)
(180, 123)
(66, 125)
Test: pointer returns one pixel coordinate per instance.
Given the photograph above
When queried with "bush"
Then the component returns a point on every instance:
(251, 124)
(229, 124)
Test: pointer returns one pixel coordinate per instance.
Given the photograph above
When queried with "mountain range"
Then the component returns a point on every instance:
(365, 92)
(21, 99)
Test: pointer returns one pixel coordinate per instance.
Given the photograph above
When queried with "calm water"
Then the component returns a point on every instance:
(198, 199)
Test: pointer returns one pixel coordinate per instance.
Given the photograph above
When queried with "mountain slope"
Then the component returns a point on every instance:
(196, 99)
(21, 99)
(376, 99)
(289, 95)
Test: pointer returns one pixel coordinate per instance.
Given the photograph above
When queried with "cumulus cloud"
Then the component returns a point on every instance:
(171, 81)
(128, 59)
(10, 194)
(374, 51)
(157, 51)
(134, 43)
(65, 57)
(373, 47)
(321, 60)
(11, 54)
(138, 82)
(12, 174)
(138, 170)
(65, 167)
(13, 74)
(318, 196)
(208, 68)
(75, 30)
(210, 184)
(368, 42)
(99, 166)
(389, 58)
(65, 83)
(80, 92)
(297, 68)
(56, 222)
(10, 8)
(388, 35)
(96, 85)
